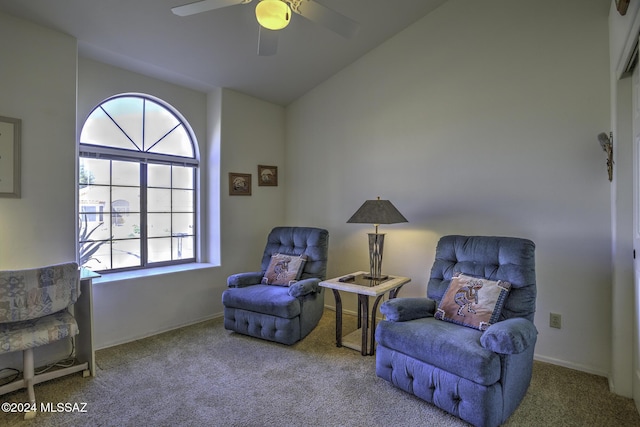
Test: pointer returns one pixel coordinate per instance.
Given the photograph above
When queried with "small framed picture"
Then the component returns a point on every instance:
(10, 157)
(239, 184)
(267, 176)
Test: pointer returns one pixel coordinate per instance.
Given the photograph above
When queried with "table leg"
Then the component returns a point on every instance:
(364, 311)
(336, 295)
(372, 341)
(394, 292)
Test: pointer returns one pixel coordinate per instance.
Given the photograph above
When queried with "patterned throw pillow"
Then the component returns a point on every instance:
(473, 302)
(284, 269)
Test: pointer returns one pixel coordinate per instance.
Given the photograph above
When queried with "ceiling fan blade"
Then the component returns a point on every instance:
(267, 41)
(204, 6)
(328, 18)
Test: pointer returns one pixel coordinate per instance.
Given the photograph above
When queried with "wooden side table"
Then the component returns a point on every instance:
(364, 288)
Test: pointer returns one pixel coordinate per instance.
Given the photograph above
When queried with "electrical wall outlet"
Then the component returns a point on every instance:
(555, 320)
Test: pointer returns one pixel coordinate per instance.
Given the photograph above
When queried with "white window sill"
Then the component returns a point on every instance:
(128, 275)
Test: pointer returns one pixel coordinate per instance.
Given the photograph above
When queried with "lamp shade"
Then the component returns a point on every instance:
(273, 14)
(377, 212)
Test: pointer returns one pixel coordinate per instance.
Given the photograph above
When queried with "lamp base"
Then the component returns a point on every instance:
(376, 247)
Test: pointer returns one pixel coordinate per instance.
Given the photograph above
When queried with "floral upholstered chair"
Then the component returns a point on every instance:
(34, 312)
(283, 301)
(468, 347)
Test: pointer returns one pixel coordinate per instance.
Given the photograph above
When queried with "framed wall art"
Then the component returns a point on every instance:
(267, 176)
(10, 156)
(239, 184)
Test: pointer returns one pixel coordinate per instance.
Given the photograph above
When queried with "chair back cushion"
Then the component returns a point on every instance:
(36, 292)
(509, 259)
(309, 241)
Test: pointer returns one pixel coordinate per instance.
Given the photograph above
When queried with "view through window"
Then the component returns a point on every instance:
(137, 186)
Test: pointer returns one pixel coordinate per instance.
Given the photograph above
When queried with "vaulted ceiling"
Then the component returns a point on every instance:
(218, 48)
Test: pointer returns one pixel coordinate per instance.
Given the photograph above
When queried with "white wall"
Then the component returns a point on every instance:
(38, 86)
(481, 118)
(252, 133)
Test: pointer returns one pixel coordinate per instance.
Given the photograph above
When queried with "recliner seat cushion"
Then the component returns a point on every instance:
(265, 299)
(444, 345)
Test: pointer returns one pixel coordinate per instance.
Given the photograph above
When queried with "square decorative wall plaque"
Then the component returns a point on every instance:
(239, 184)
(267, 176)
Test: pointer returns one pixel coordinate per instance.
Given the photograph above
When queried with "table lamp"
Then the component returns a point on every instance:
(376, 212)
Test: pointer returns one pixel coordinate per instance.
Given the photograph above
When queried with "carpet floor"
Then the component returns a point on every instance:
(204, 375)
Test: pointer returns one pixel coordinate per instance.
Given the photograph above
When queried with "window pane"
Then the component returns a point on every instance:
(177, 143)
(159, 249)
(127, 113)
(183, 200)
(126, 173)
(99, 129)
(98, 259)
(94, 230)
(183, 177)
(94, 171)
(183, 224)
(126, 253)
(158, 123)
(159, 200)
(125, 199)
(159, 225)
(125, 226)
(159, 175)
(183, 247)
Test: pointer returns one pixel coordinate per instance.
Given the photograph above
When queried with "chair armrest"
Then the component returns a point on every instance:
(304, 287)
(241, 280)
(511, 336)
(403, 309)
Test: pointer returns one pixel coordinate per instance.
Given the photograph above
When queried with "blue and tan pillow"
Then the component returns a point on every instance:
(284, 270)
(472, 301)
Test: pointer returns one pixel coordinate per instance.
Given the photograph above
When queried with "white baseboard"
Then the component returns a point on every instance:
(350, 312)
(159, 331)
(571, 365)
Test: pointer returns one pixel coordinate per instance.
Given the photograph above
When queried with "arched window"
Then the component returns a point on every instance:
(137, 186)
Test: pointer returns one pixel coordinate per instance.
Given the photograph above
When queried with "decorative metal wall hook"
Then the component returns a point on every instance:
(606, 142)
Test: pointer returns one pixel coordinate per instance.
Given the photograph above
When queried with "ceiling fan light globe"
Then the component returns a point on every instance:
(273, 14)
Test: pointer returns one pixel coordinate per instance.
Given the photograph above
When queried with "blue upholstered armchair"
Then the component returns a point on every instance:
(285, 312)
(477, 374)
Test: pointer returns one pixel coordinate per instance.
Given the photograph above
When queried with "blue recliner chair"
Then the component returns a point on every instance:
(285, 312)
(479, 375)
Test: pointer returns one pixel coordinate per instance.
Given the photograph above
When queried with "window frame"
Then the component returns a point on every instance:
(143, 158)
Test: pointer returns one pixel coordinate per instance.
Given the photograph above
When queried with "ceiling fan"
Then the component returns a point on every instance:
(273, 15)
